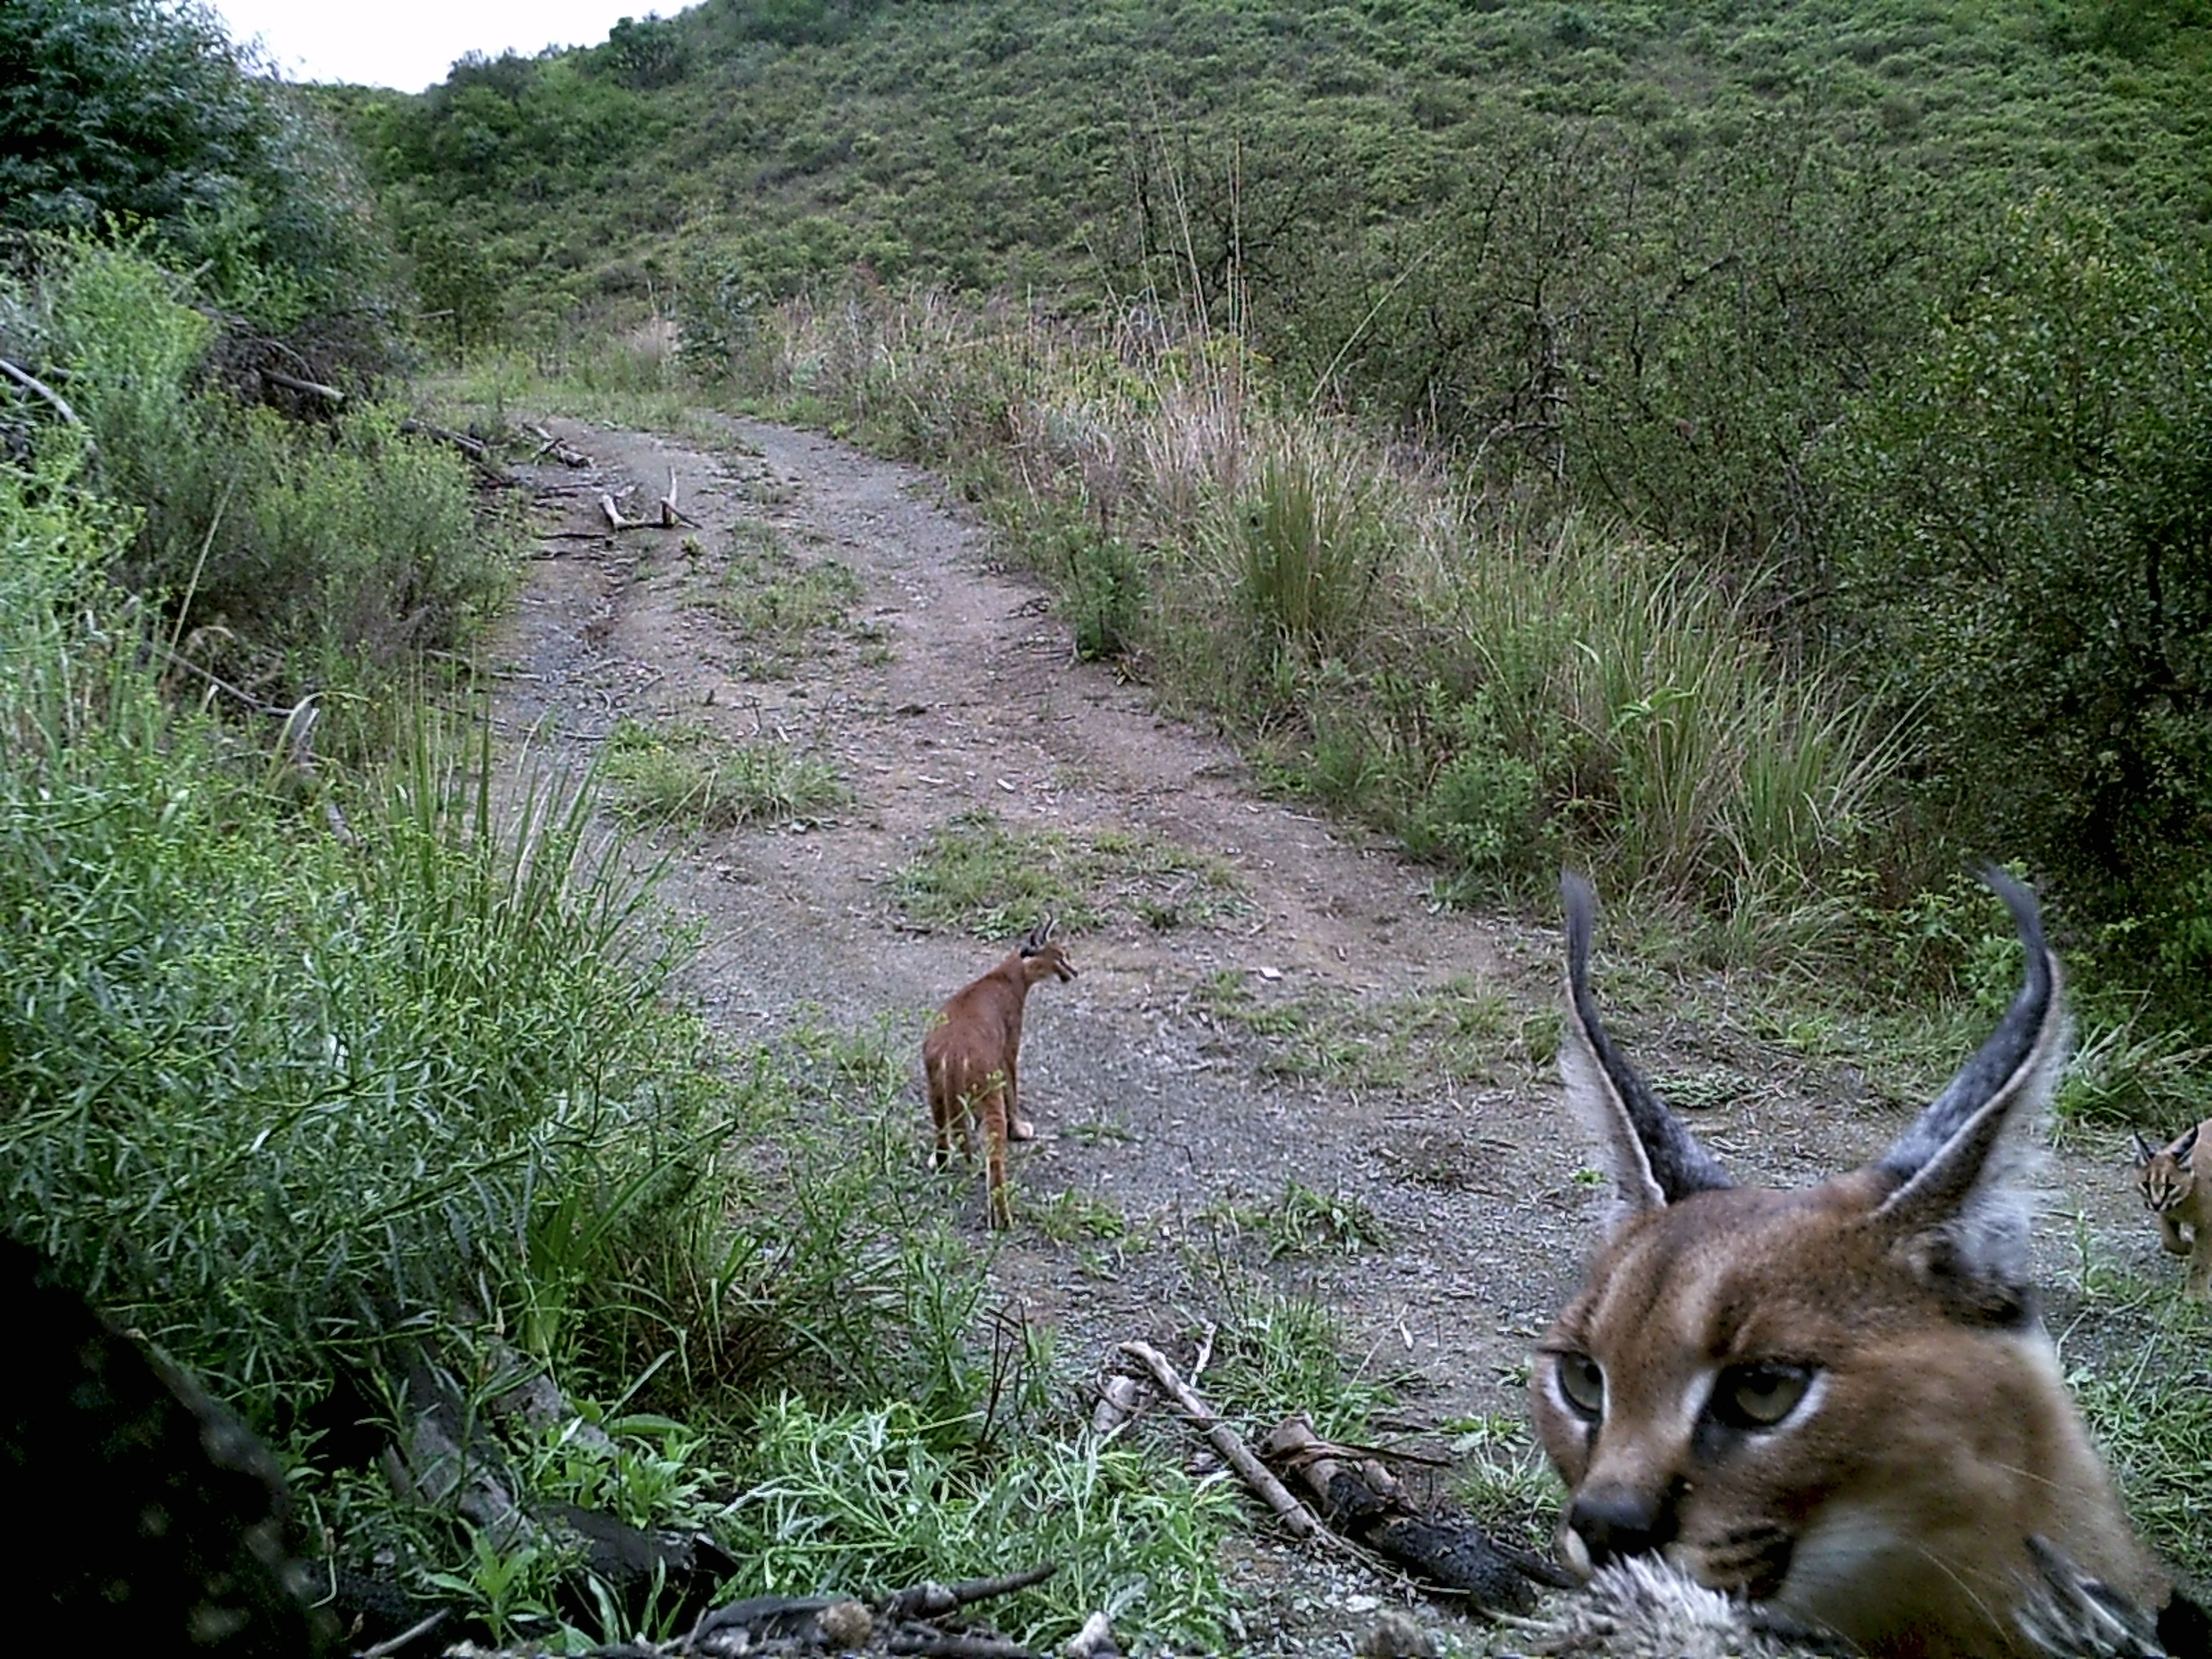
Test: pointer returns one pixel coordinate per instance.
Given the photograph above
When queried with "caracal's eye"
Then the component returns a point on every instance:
(1759, 1395)
(1582, 1384)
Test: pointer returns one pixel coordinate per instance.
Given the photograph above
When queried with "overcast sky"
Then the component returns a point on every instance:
(409, 44)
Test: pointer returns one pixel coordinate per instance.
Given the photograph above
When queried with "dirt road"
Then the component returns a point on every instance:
(1315, 1021)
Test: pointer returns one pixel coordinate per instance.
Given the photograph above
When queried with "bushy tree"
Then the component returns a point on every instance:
(2024, 553)
(144, 113)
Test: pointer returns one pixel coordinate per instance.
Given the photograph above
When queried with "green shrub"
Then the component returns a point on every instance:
(138, 114)
(2025, 562)
(289, 557)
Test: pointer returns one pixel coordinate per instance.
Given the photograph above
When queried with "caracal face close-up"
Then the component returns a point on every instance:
(1838, 1402)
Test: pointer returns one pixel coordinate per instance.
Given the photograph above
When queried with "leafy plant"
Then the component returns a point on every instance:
(2021, 535)
(863, 1500)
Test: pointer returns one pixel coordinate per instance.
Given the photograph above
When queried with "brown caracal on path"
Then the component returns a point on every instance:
(971, 1055)
(2176, 1184)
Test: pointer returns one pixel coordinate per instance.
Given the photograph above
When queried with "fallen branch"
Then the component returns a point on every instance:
(1094, 1641)
(313, 388)
(30, 382)
(1296, 1516)
(670, 518)
(566, 453)
(956, 1646)
(615, 520)
(297, 740)
(407, 1637)
(935, 1601)
(903, 1622)
(475, 448)
(1120, 1397)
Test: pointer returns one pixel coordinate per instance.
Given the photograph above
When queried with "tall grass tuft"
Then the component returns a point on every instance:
(1501, 691)
(271, 1093)
(1681, 757)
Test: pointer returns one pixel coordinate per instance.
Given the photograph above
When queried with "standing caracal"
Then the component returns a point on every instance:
(970, 1055)
(2176, 1184)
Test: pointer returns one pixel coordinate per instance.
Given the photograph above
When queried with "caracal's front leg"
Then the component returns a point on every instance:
(2171, 1239)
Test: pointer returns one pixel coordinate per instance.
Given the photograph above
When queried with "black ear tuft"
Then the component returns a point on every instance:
(1959, 1168)
(1654, 1161)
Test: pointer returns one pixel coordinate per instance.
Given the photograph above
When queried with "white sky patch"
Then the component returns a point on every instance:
(410, 43)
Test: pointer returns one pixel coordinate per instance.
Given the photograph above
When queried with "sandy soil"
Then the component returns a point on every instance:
(954, 688)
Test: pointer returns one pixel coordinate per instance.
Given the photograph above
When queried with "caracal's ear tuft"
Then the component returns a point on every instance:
(2185, 1148)
(2144, 1151)
(1964, 1168)
(1040, 936)
(1653, 1160)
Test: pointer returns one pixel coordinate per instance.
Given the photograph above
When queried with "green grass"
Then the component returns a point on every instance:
(975, 875)
(1300, 1222)
(778, 609)
(2146, 1393)
(287, 559)
(623, 379)
(678, 774)
(1459, 1031)
(1277, 1354)
(868, 1500)
(1070, 1217)
(1503, 1480)
(304, 1106)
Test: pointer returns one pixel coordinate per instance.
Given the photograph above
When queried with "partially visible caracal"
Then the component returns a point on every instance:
(1840, 1403)
(2176, 1185)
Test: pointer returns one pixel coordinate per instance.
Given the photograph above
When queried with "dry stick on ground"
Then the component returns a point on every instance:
(670, 518)
(566, 453)
(475, 448)
(30, 382)
(313, 388)
(1295, 1516)
(935, 1601)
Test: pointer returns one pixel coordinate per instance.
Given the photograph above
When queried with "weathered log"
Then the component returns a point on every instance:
(1363, 1500)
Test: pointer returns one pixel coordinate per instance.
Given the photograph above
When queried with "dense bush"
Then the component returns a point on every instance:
(289, 557)
(2023, 552)
(144, 114)
(266, 1092)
